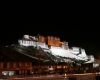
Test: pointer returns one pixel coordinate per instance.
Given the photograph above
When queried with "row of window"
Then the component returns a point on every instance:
(30, 42)
(27, 42)
(53, 66)
(17, 65)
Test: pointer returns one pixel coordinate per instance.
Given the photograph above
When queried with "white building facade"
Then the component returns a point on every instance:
(64, 51)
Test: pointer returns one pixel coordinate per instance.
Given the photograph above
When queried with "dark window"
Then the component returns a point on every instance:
(4, 65)
(11, 65)
(28, 64)
(17, 72)
(23, 64)
(28, 72)
(17, 65)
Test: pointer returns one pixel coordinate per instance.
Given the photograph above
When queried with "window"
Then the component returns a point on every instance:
(23, 64)
(11, 73)
(5, 65)
(17, 65)
(6, 73)
(28, 72)
(17, 72)
(28, 64)
(11, 65)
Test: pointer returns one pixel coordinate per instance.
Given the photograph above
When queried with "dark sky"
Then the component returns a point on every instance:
(75, 22)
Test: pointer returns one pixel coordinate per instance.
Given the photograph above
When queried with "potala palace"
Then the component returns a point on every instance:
(56, 47)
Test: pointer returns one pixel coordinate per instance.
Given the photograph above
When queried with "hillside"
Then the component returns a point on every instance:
(9, 54)
(12, 53)
(17, 52)
(33, 53)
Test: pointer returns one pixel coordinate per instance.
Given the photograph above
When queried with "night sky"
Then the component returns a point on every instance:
(75, 22)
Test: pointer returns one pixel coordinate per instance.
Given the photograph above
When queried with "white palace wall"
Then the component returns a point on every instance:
(61, 51)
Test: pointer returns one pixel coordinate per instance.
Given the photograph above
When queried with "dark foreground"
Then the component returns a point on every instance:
(89, 76)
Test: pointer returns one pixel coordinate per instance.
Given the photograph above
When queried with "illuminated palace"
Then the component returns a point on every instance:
(56, 47)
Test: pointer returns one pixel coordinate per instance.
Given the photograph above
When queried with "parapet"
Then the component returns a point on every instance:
(26, 36)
